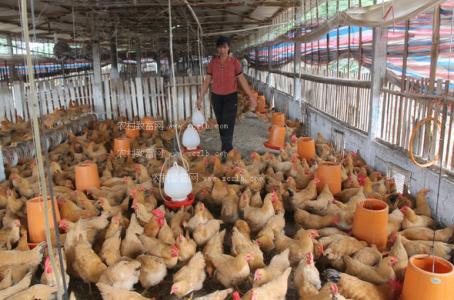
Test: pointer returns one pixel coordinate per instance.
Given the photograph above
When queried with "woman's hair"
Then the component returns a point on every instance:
(222, 40)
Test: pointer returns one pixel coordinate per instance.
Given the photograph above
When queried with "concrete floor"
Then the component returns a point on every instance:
(249, 135)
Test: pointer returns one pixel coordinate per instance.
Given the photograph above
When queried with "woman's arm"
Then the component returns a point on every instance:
(203, 90)
(247, 89)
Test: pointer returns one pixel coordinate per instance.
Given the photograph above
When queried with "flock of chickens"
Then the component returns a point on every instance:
(13, 132)
(258, 229)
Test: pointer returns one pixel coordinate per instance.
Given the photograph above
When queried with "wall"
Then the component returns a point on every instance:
(383, 155)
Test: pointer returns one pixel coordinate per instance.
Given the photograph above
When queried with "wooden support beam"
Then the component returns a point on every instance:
(435, 48)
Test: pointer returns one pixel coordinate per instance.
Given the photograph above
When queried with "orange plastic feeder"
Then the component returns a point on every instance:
(148, 124)
(329, 173)
(261, 105)
(306, 148)
(132, 133)
(428, 279)
(87, 176)
(370, 223)
(122, 147)
(278, 119)
(276, 139)
(35, 218)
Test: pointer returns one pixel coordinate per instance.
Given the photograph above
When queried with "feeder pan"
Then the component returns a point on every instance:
(32, 245)
(122, 147)
(276, 140)
(422, 282)
(306, 148)
(261, 105)
(148, 124)
(86, 175)
(178, 204)
(35, 218)
(197, 150)
(132, 133)
(329, 173)
(370, 222)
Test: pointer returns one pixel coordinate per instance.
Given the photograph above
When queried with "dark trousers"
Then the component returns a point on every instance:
(225, 107)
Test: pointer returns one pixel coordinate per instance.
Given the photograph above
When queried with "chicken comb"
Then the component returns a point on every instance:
(158, 213)
(309, 258)
(294, 139)
(336, 219)
(133, 192)
(257, 275)
(395, 284)
(47, 265)
(236, 295)
(334, 289)
(174, 251)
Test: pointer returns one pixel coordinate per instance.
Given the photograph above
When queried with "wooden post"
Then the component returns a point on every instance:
(139, 58)
(378, 72)
(297, 64)
(435, 47)
(97, 83)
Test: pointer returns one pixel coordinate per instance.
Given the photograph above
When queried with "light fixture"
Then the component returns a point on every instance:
(191, 139)
(177, 183)
(198, 120)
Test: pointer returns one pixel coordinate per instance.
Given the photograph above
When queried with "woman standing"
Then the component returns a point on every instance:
(224, 73)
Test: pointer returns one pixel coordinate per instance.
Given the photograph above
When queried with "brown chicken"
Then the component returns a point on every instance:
(190, 277)
(355, 288)
(368, 255)
(274, 289)
(131, 246)
(160, 249)
(257, 217)
(307, 277)
(398, 250)
(299, 199)
(10, 235)
(427, 234)
(231, 270)
(71, 212)
(298, 246)
(425, 247)
(382, 273)
(243, 244)
(110, 251)
(111, 293)
(152, 271)
(186, 246)
(22, 284)
(124, 274)
(49, 277)
(87, 264)
(411, 219)
(422, 207)
(201, 216)
(37, 291)
(217, 295)
(277, 265)
(313, 221)
(203, 232)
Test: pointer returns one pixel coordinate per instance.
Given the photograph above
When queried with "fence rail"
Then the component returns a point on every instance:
(402, 108)
(347, 100)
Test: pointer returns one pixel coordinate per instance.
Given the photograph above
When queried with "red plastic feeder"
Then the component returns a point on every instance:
(270, 146)
(195, 151)
(178, 204)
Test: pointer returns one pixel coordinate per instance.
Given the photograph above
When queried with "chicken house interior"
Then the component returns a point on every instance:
(226, 149)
